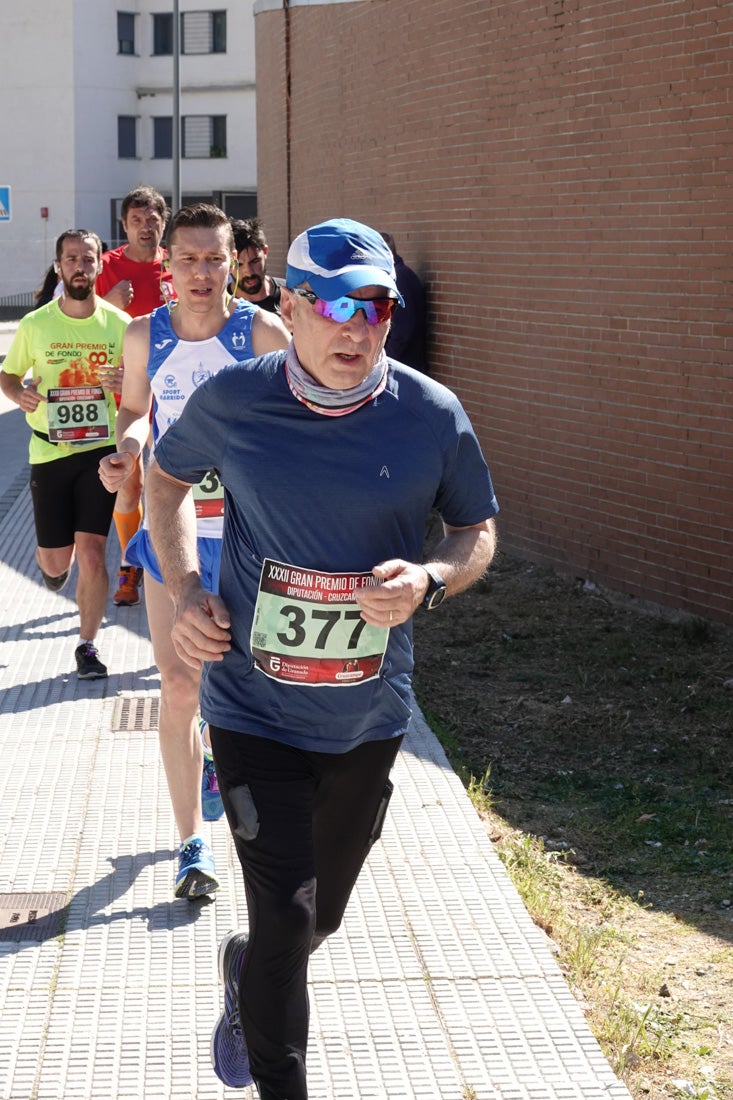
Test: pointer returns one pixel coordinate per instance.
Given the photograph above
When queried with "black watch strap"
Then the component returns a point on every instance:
(436, 590)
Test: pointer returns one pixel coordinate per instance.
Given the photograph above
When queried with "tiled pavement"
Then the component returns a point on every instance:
(438, 984)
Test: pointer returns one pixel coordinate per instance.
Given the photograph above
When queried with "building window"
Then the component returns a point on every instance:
(204, 32)
(204, 136)
(163, 34)
(125, 32)
(163, 138)
(218, 32)
(126, 136)
(237, 204)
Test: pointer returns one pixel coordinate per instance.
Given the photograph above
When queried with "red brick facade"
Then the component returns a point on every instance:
(559, 172)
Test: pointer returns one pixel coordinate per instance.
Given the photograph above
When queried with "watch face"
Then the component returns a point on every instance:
(436, 598)
(436, 590)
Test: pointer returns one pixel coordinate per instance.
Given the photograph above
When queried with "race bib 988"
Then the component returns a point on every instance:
(77, 414)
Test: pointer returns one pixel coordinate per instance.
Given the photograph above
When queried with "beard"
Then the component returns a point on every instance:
(77, 291)
(253, 285)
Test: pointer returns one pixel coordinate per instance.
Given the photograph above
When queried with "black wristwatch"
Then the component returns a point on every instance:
(436, 592)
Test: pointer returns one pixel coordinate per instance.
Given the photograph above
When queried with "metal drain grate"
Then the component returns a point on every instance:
(138, 713)
(31, 916)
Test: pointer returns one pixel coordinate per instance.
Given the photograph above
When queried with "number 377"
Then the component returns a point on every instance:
(297, 632)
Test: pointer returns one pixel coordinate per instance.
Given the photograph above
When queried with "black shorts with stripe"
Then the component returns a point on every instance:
(69, 497)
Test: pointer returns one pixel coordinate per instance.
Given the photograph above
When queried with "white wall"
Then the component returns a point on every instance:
(104, 88)
(36, 136)
(63, 85)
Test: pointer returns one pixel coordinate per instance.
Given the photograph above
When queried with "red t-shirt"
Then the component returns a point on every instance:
(145, 279)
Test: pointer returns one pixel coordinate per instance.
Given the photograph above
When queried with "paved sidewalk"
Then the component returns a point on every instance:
(438, 984)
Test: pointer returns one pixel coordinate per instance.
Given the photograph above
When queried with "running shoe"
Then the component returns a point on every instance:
(128, 582)
(212, 806)
(88, 664)
(55, 584)
(196, 872)
(228, 1048)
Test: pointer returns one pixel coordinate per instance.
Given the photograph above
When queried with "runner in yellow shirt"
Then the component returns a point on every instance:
(71, 349)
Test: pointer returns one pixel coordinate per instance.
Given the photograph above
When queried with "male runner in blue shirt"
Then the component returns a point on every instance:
(332, 457)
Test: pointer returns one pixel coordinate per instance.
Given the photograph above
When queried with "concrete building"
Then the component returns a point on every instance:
(87, 93)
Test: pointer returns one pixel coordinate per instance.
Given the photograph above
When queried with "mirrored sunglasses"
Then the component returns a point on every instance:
(376, 310)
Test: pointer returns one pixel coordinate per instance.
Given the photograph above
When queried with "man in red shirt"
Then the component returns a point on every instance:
(131, 274)
(132, 279)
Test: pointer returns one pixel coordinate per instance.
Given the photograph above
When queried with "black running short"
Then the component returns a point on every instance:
(69, 497)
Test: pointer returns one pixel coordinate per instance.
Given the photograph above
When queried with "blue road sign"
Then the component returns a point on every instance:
(4, 204)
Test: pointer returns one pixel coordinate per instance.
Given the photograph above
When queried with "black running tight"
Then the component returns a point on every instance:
(303, 824)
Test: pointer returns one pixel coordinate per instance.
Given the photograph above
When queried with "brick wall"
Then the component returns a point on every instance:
(560, 174)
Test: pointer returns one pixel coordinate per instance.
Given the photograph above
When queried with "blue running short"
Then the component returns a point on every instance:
(140, 553)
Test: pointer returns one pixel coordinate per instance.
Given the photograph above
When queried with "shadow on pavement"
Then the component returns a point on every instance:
(86, 908)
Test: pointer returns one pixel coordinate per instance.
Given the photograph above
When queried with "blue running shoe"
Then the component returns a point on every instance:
(196, 872)
(228, 1048)
(212, 806)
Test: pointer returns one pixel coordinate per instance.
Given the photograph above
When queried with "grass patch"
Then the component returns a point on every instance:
(594, 738)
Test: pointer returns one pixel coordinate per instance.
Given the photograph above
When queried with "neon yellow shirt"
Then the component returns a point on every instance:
(66, 352)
